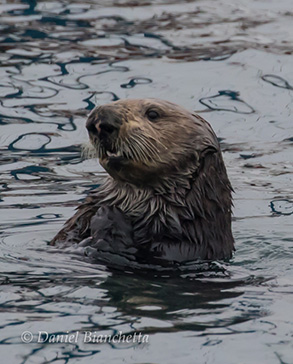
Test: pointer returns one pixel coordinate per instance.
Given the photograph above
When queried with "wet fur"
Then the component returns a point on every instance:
(175, 196)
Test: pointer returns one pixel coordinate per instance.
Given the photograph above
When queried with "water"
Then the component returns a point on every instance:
(232, 63)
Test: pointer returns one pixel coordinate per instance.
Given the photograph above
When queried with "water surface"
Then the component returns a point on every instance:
(232, 63)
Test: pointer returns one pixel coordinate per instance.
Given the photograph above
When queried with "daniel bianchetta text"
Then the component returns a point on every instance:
(92, 337)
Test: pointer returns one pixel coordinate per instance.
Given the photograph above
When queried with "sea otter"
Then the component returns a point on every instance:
(167, 197)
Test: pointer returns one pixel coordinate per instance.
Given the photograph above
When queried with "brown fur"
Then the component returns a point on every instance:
(171, 186)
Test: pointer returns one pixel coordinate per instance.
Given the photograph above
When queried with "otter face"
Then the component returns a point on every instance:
(142, 141)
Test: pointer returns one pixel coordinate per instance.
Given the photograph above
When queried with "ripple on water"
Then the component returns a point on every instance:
(282, 207)
(60, 60)
(227, 101)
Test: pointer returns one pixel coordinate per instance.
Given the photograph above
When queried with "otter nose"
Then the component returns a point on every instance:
(104, 125)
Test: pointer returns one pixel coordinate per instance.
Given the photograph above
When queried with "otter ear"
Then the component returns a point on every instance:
(207, 139)
(210, 149)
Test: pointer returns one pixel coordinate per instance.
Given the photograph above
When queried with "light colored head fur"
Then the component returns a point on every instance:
(154, 151)
(167, 178)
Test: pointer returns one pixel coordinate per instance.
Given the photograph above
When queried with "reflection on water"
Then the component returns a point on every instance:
(277, 81)
(226, 98)
(232, 63)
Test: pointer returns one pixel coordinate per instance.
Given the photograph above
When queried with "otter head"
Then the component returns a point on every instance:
(147, 141)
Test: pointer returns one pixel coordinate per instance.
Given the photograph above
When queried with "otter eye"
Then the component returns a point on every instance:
(152, 115)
